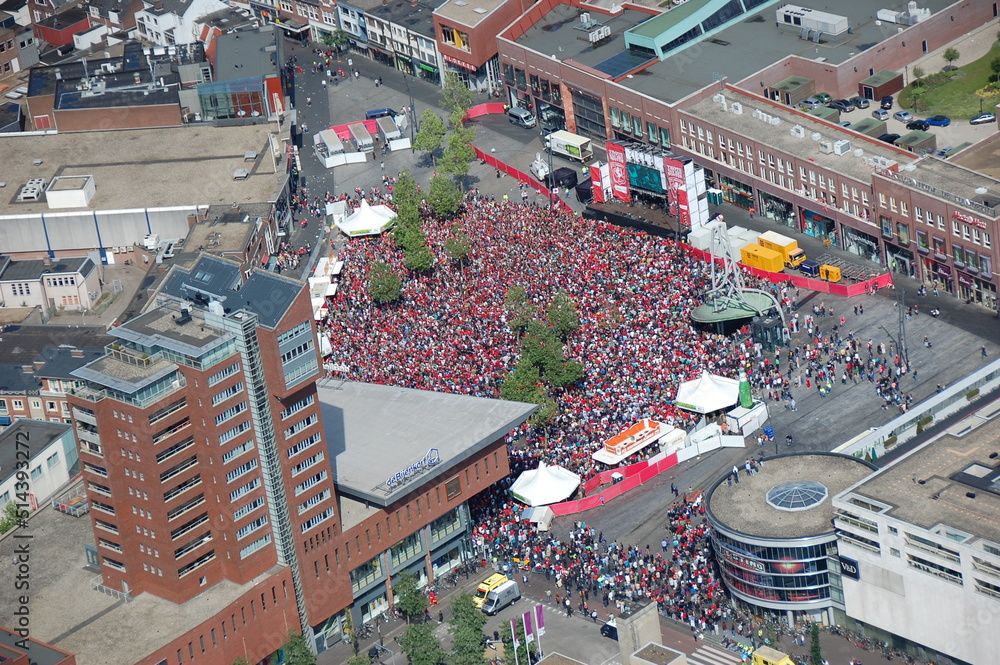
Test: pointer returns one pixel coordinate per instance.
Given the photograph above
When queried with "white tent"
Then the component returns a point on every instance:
(542, 516)
(708, 393)
(544, 485)
(367, 220)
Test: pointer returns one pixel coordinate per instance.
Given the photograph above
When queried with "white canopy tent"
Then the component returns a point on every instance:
(367, 220)
(708, 393)
(544, 485)
(542, 516)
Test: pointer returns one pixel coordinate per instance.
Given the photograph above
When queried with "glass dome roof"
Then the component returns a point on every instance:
(797, 495)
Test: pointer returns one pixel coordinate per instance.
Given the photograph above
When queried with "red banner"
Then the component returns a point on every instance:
(619, 171)
(596, 184)
(676, 191)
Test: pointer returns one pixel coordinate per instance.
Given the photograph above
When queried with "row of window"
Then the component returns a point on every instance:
(304, 444)
(231, 391)
(60, 281)
(540, 87)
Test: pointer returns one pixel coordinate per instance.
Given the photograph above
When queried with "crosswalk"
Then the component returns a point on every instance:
(709, 655)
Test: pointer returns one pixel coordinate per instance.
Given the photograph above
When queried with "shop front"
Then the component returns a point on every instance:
(428, 72)
(736, 192)
(404, 63)
(777, 210)
(820, 226)
(862, 244)
(975, 290)
(379, 54)
(900, 260)
(941, 275)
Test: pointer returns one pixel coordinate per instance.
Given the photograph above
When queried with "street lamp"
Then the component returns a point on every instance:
(413, 109)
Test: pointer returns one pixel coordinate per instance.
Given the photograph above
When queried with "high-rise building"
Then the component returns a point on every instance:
(201, 435)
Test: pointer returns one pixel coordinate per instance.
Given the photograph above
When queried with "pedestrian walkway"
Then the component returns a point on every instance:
(709, 655)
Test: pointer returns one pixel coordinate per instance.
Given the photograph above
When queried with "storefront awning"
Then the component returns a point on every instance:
(426, 67)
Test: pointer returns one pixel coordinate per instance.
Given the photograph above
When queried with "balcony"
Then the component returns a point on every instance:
(166, 434)
(90, 436)
(85, 416)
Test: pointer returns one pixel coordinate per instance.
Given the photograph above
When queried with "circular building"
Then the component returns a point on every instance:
(774, 539)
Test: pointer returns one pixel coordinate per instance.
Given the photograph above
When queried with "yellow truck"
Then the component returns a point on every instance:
(756, 256)
(487, 585)
(788, 248)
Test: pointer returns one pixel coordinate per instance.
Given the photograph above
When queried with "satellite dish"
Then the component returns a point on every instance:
(980, 190)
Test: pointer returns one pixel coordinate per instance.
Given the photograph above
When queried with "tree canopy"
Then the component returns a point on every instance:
(456, 98)
(444, 197)
(408, 597)
(466, 627)
(430, 136)
(458, 151)
(384, 285)
(296, 651)
(421, 646)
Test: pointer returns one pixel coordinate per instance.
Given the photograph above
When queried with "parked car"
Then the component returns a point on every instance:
(903, 116)
(823, 97)
(918, 124)
(887, 102)
(889, 138)
(983, 118)
(810, 103)
(842, 105)
(939, 120)
(860, 102)
(880, 114)
(845, 124)
(610, 629)
(945, 153)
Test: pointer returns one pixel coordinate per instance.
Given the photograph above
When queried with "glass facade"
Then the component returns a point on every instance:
(780, 574)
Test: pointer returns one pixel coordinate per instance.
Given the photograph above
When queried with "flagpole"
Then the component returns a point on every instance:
(513, 639)
(538, 634)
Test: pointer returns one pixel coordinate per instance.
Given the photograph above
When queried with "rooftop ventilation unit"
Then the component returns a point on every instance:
(816, 136)
(858, 152)
(842, 147)
(775, 120)
(826, 147)
(797, 131)
(736, 108)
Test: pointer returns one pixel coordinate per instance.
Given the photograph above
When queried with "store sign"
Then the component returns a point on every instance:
(849, 568)
(425, 463)
(944, 271)
(619, 171)
(456, 61)
(968, 219)
(743, 561)
(965, 280)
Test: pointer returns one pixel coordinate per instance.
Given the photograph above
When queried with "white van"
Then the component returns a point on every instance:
(504, 595)
(521, 116)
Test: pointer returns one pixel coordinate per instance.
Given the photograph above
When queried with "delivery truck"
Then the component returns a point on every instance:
(487, 585)
(569, 145)
(756, 256)
(788, 248)
(500, 597)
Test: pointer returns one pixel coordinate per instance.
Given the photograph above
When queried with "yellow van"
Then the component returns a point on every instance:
(487, 585)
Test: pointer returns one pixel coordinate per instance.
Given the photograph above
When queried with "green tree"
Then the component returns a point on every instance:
(384, 285)
(408, 597)
(405, 189)
(421, 646)
(466, 627)
(523, 384)
(951, 55)
(519, 310)
(995, 68)
(458, 152)
(918, 75)
(444, 197)
(546, 411)
(565, 373)
(359, 659)
(419, 258)
(458, 246)
(815, 650)
(523, 648)
(12, 514)
(430, 136)
(296, 651)
(240, 661)
(337, 38)
(456, 98)
(562, 314)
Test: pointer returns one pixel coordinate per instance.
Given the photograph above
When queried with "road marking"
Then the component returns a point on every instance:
(706, 655)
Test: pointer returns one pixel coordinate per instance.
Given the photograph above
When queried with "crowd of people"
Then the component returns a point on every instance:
(597, 577)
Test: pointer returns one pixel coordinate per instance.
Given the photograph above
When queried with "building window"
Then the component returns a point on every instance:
(453, 487)
(405, 549)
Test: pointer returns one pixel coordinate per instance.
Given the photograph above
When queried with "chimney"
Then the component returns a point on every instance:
(39, 364)
(46, 260)
(76, 353)
(28, 369)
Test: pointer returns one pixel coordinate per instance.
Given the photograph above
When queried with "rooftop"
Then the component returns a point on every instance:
(416, 17)
(226, 230)
(247, 53)
(36, 435)
(959, 185)
(265, 294)
(413, 431)
(24, 271)
(740, 48)
(99, 629)
(780, 137)
(468, 12)
(24, 345)
(38, 653)
(126, 372)
(226, 19)
(931, 485)
(743, 507)
(149, 167)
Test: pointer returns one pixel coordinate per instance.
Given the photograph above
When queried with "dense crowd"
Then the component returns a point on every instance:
(450, 330)
(592, 575)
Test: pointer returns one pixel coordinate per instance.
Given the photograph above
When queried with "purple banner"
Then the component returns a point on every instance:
(540, 619)
(529, 634)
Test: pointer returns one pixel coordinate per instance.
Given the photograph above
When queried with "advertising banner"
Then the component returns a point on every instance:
(676, 191)
(619, 171)
(597, 183)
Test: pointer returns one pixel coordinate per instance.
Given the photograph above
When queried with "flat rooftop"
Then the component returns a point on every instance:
(743, 507)
(956, 184)
(747, 45)
(225, 230)
(921, 489)
(160, 327)
(416, 16)
(779, 136)
(468, 13)
(149, 168)
(374, 431)
(69, 614)
(35, 434)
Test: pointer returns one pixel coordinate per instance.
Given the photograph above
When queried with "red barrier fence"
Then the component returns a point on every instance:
(523, 177)
(635, 475)
(485, 109)
(813, 284)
